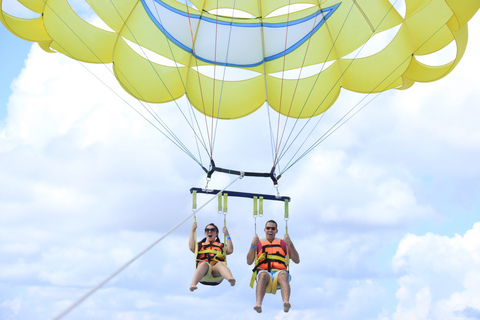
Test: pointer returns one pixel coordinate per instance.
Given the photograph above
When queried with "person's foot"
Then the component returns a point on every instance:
(258, 309)
(193, 287)
(232, 282)
(286, 306)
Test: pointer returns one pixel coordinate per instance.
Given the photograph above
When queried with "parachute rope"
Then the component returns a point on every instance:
(168, 133)
(352, 112)
(292, 160)
(284, 139)
(279, 140)
(287, 145)
(279, 154)
(223, 77)
(198, 137)
(194, 56)
(173, 138)
(123, 267)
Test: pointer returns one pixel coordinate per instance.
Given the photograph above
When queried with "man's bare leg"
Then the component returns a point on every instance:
(285, 288)
(263, 279)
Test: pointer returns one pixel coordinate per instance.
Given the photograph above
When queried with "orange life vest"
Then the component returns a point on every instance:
(211, 252)
(267, 257)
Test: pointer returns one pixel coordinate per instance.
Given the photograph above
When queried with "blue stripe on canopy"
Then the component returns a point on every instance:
(327, 12)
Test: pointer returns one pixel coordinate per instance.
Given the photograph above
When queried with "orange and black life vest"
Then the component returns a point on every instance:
(211, 252)
(272, 256)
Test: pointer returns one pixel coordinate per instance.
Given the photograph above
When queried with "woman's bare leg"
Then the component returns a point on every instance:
(199, 273)
(220, 269)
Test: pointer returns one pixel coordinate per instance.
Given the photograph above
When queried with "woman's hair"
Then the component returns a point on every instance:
(217, 239)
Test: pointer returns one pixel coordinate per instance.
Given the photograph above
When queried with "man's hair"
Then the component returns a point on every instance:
(272, 221)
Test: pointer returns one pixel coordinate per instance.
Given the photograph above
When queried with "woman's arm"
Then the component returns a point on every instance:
(229, 241)
(191, 240)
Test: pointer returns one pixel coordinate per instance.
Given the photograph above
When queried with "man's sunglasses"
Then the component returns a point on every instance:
(270, 228)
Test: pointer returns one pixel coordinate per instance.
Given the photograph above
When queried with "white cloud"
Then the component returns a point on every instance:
(440, 276)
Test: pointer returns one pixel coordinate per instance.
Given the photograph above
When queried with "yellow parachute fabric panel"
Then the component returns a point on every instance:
(75, 37)
(236, 98)
(429, 26)
(418, 71)
(268, 6)
(347, 28)
(34, 5)
(381, 71)
(141, 30)
(28, 29)
(307, 97)
(318, 49)
(464, 10)
(380, 15)
(249, 6)
(114, 13)
(177, 5)
(145, 80)
(425, 24)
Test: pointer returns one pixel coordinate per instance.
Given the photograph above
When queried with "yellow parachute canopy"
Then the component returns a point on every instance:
(229, 60)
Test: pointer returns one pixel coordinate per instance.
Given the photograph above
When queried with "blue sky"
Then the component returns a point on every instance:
(11, 63)
(387, 229)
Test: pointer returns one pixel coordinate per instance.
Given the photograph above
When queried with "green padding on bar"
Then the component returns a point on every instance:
(225, 207)
(219, 202)
(194, 201)
(261, 206)
(286, 209)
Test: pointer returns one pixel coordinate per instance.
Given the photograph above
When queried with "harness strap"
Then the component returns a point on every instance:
(272, 286)
(268, 258)
(208, 279)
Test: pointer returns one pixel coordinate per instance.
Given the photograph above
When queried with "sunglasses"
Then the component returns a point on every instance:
(210, 230)
(270, 228)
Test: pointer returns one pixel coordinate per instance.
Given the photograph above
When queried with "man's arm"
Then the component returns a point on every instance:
(252, 251)
(291, 249)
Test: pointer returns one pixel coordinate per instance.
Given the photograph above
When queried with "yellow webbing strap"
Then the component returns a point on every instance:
(220, 209)
(272, 286)
(286, 232)
(252, 280)
(208, 277)
(194, 207)
(260, 212)
(264, 256)
(218, 254)
(225, 207)
(196, 243)
(194, 200)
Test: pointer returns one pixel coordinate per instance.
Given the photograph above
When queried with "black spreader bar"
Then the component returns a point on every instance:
(241, 194)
